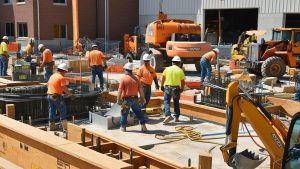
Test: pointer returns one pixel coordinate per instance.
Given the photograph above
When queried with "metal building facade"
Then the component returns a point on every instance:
(271, 12)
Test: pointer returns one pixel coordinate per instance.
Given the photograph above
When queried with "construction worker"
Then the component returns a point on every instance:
(56, 87)
(47, 62)
(97, 64)
(147, 74)
(129, 88)
(236, 49)
(4, 56)
(29, 50)
(205, 63)
(172, 85)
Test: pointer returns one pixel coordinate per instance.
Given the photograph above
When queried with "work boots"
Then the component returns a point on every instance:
(64, 124)
(52, 126)
(123, 128)
(144, 128)
(167, 120)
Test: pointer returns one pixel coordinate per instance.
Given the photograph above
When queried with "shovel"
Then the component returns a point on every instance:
(246, 160)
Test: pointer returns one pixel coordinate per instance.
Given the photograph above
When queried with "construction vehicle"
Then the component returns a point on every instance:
(270, 58)
(282, 143)
(166, 38)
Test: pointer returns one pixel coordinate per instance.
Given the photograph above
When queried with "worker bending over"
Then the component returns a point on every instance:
(4, 56)
(56, 87)
(129, 88)
(147, 74)
(47, 62)
(172, 85)
(97, 63)
(205, 63)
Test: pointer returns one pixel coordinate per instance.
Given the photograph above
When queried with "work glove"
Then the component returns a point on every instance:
(162, 88)
(157, 86)
(104, 67)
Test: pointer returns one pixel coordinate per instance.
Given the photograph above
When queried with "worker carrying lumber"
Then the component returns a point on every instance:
(205, 63)
(146, 75)
(47, 62)
(97, 63)
(172, 85)
(129, 88)
(29, 50)
(4, 56)
(56, 87)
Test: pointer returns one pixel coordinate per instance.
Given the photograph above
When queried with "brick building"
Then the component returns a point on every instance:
(21, 19)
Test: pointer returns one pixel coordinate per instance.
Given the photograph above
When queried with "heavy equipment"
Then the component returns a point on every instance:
(281, 142)
(166, 38)
(270, 58)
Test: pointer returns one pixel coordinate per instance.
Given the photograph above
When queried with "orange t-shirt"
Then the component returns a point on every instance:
(56, 82)
(129, 86)
(95, 57)
(146, 74)
(47, 56)
(211, 56)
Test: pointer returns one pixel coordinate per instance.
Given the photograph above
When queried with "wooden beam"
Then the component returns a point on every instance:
(4, 164)
(27, 146)
(205, 160)
(290, 106)
(10, 111)
(147, 158)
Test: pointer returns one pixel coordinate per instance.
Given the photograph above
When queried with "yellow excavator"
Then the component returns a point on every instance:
(281, 142)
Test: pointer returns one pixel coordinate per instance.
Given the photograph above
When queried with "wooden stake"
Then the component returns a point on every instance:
(205, 160)
(10, 111)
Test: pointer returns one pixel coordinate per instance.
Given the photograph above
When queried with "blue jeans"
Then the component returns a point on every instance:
(147, 95)
(56, 105)
(205, 69)
(297, 94)
(3, 65)
(48, 72)
(132, 102)
(99, 72)
(170, 93)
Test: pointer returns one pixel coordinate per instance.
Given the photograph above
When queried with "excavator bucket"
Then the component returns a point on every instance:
(246, 160)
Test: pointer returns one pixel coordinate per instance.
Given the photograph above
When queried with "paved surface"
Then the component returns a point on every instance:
(179, 151)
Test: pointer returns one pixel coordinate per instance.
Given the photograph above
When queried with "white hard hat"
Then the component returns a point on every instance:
(31, 40)
(146, 57)
(94, 46)
(176, 59)
(63, 66)
(41, 46)
(128, 66)
(216, 50)
(5, 37)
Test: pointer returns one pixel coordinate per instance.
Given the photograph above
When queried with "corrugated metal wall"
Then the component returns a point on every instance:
(183, 7)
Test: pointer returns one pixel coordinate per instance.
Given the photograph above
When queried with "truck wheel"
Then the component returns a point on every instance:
(273, 67)
(198, 66)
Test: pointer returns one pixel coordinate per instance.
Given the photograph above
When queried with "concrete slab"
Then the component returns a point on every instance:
(180, 151)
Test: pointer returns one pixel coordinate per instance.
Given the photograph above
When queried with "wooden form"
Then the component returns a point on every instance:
(10, 111)
(205, 160)
(4, 164)
(29, 148)
(291, 107)
(113, 148)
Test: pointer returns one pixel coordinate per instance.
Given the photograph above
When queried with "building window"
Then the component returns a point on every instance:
(20, 1)
(60, 31)
(9, 29)
(22, 30)
(60, 2)
(7, 2)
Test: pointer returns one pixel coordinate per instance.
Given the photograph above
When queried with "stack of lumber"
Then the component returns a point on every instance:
(9, 83)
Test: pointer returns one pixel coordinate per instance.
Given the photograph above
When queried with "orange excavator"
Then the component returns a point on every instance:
(166, 38)
(281, 142)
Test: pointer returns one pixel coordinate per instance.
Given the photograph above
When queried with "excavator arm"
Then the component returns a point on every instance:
(270, 130)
